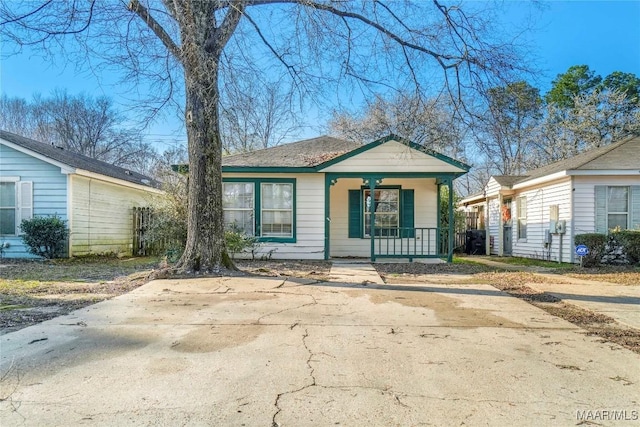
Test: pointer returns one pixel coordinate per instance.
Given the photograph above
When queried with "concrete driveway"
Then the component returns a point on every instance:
(271, 352)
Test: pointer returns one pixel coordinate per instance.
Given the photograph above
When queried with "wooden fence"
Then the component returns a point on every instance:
(142, 218)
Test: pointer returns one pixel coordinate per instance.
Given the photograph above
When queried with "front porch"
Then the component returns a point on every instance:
(389, 216)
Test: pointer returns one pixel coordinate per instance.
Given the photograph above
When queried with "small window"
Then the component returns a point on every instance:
(617, 208)
(386, 207)
(277, 210)
(522, 217)
(8, 207)
(237, 204)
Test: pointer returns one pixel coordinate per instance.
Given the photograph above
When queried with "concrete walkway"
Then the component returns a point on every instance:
(254, 351)
(620, 302)
(354, 272)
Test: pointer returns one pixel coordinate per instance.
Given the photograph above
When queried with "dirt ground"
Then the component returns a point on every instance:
(35, 291)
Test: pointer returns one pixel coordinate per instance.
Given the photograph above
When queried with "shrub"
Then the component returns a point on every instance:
(45, 236)
(629, 240)
(596, 243)
(167, 230)
(237, 241)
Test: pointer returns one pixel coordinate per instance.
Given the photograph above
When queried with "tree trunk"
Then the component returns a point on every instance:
(205, 250)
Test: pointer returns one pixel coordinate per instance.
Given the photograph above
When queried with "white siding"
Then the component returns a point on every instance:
(539, 199)
(102, 216)
(492, 188)
(426, 212)
(309, 218)
(392, 156)
(584, 198)
(493, 221)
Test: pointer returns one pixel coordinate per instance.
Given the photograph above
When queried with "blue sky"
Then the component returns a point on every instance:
(605, 35)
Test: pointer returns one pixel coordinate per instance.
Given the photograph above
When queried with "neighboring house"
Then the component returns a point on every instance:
(538, 215)
(95, 198)
(318, 198)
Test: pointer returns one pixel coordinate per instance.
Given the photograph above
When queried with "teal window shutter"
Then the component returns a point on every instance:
(635, 207)
(407, 213)
(355, 214)
(601, 209)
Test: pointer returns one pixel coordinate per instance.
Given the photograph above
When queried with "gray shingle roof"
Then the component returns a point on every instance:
(621, 155)
(78, 160)
(509, 180)
(306, 153)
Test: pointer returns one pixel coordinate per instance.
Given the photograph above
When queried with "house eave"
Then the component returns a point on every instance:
(64, 168)
(122, 182)
(267, 169)
(618, 172)
(540, 180)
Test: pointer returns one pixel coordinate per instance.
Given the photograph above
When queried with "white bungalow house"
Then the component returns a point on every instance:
(324, 198)
(95, 198)
(538, 215)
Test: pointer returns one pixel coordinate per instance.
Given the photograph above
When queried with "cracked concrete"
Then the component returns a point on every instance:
(272, 352)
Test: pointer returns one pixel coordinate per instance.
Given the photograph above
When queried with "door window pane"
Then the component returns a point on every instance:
(386, 205)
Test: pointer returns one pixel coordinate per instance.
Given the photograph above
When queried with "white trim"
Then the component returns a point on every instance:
(632, 172)
(9, 178)
(100, 177)
(546, 178)
(64, 168)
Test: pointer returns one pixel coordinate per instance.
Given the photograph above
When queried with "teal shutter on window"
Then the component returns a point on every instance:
(635, 207)
(407, 212)
(355, 214)
(601, 209)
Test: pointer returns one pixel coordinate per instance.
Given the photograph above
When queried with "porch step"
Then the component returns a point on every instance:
(351, 272)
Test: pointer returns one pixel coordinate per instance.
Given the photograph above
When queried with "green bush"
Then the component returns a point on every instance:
(630, 242)
(596, 243)
(45, 236)
(237, 241)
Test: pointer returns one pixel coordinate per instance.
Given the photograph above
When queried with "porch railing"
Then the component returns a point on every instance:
(406, 242)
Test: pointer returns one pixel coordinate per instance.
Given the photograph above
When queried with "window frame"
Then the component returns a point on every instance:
(252, 209)
(257, 206)
(521, 220)
(363, 213)
(4, 180)
(628, 211)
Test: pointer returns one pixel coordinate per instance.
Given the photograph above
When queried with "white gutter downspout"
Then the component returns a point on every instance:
(572, 221)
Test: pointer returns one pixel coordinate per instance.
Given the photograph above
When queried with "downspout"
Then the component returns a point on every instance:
(572, 221)
(500, 227)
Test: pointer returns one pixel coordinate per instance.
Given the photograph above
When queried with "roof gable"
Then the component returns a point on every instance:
(70, 162)
(621, 155)
(393, 151)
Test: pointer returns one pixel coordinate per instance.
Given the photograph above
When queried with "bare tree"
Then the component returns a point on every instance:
(431, 123)
(369, 45)
(256, 115)
(595, 119)
(79, 123)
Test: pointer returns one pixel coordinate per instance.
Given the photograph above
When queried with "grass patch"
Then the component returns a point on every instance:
(532, 262)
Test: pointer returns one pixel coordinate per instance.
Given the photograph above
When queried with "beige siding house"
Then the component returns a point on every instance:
(538, 215)
(325, 198)
(95, 198)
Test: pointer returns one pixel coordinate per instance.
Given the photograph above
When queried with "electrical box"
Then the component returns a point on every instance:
(547, 238)
(554, 215)
(561, 227)
(553, 226)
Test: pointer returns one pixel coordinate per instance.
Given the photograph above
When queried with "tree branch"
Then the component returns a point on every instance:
(158, 30)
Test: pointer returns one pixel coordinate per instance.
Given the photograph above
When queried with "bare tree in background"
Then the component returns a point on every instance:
(79, 123)
(190, 46)
(256, 115)
(431, 123)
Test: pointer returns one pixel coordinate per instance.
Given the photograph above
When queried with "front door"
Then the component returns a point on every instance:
(507, 228)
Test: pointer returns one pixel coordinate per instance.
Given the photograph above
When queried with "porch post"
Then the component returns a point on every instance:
(451, 221)
(372, 207)
(438, 218)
